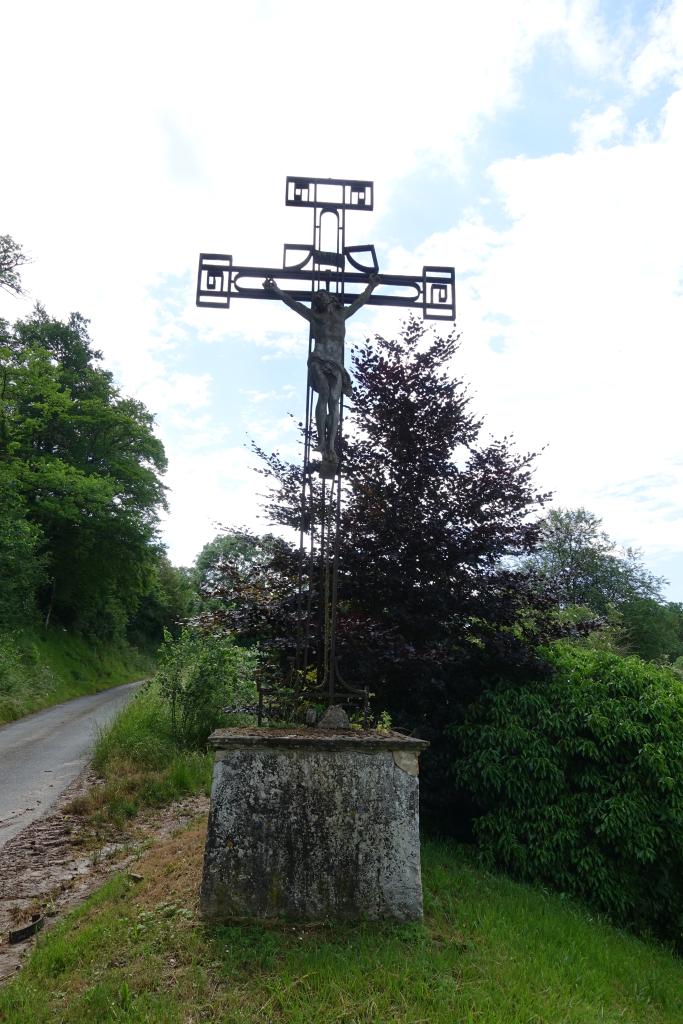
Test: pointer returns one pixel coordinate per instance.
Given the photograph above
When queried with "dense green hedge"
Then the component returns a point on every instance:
(580, 784)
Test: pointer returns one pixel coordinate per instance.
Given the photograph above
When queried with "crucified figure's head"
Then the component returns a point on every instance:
(324, 300)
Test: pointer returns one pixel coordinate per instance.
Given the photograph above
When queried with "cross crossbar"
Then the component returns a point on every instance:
(432, 292)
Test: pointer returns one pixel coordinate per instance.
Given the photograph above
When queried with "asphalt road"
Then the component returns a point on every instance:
(40, 755)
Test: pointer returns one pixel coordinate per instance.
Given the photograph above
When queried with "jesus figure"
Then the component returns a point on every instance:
(327, 374)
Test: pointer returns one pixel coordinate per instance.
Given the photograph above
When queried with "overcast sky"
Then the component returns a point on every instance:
(535, 146)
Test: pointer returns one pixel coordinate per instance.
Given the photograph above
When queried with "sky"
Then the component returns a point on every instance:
(535, 146)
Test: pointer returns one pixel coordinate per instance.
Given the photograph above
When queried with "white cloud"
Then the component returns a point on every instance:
(587, 37)
(259, 397)
(207, 491)
(175, 391)
(662, 54)
(594, 130)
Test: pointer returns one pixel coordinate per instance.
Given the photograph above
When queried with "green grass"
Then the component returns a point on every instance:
(490, 951)
(39, 669)
(141, 764)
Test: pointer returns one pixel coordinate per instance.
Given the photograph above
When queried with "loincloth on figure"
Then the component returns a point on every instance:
(332, 370)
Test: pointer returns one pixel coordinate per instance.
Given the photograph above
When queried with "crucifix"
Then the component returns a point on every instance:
(335, 279)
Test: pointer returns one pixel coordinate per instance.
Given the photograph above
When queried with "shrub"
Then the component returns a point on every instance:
(140, 736)
(579, 781)
(199, 676)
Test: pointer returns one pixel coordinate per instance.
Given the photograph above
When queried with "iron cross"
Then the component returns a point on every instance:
(335, 279)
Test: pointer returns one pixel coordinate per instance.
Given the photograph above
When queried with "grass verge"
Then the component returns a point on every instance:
(490, 951)
(39, 669)
(141, 764)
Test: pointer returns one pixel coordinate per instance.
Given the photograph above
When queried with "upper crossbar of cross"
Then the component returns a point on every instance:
(344, 269)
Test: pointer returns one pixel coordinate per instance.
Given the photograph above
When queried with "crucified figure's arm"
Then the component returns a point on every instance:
(373, 281)
(298, 307)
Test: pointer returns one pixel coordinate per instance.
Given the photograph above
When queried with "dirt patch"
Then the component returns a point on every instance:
(58, 860)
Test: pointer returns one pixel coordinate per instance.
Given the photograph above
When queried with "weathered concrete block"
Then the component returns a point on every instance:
(313, 825)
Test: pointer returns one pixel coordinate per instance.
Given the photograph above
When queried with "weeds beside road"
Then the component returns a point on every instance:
(141, 764)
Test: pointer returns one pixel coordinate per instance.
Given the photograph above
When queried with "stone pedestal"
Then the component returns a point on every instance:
(313, 825)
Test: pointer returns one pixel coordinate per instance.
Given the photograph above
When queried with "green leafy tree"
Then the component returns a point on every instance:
(12, 256)
(169, 601)
(22, 570)
(585, 567)
(653, 630)
(22, 562)
(237, 549)
(87, 467)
